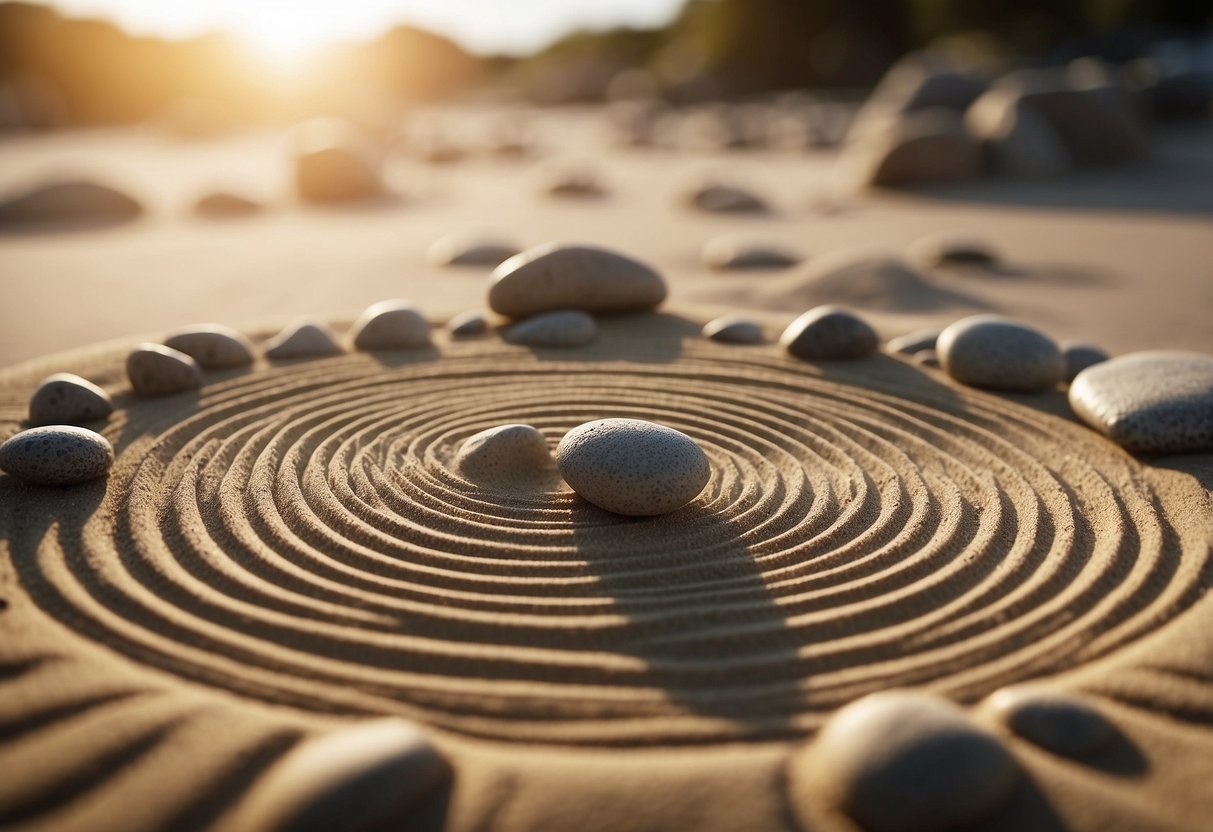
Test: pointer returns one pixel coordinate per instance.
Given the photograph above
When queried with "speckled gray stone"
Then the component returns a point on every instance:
(559, 276)
(390, 325)
(213, 346)
(373, 775)
(56, 455)
(719, 198)
(468, 324)
(734, 329)
(632, 467)
(1000, 354)
(66, 399)
(504, 453)
(156, 370)
(943, 250)
(1079, 357)
(828, 333)
(465, 249)
(562, 328)
(303, 340)
(916, 341)
(1052, 719)
(906, 761)
(732, 253)
(1150, 402)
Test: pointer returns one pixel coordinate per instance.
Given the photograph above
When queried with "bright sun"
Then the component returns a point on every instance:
(283, 42)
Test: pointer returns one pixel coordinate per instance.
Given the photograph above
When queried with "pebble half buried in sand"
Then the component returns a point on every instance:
(390, 325)
(468, 324)
(733, 329)
(505, 452)
(1155, 401)
(558, 276)
(827, 333)
(56, 455)
(155, 370)
(999, 354)
(66, 399)
(213, 346)
(469, 250)
(563, 328)
(1051, 719)
(732, 253)
(905, 761)
(303, 340)
(632, 467)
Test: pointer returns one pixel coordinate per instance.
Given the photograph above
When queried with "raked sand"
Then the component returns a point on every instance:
(291, 550)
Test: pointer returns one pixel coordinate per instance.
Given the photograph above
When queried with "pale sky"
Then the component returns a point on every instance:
(283, 26)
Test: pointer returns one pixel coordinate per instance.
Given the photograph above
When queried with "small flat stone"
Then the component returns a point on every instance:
(504, 453)
(734, 329)
(572, 184)
(632, 467)
(224, 205)
(334, 164)
(1000, 354)
(303, 340)
(829, 333)
(213, 346)
(470, 250)
(1051, 719)
(563, 328)
(560, 276)
(1149, 402)
(468, 324)
(1079, 357)
(66, 399)
(943, 250)
(726, 199)
(916, 341)
(731, 253)
(905, 761)
(374, 775)
(56, 455)
(155, 370)
(390, 325)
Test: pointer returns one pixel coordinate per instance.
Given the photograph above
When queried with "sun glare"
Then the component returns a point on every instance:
(282, 43)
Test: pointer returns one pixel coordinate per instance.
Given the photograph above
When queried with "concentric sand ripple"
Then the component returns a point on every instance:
(297, 534)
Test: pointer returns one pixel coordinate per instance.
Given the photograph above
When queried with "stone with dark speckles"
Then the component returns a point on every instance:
(1052, 719)
(213, 346)
(504, 453)
(632, 467)
(999, 354)
(56, 455)
(390, 325)
(468, 324)
(908, 761)
(560, 276)
(67, 399)
(1079, 357)
(303, 340)
(563, 328)
(1149, 402)
(828, 333)
(156, 370)
(734, 329)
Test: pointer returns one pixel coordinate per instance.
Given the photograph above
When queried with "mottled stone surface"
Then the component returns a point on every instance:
(156, 370)
(467, 249)
(468, 324)
(213, 346)
(1054, 720)
(632, 467)
(562, 328)
(1000, 354)
(905, 761)
(303, 340)
(1079, 357)
(1150, 402)
(827, 333)
(733, 253)
(390, 325)
(503, 454)
(734, 329)
(67, 399)
(560, 276)
(56, 455)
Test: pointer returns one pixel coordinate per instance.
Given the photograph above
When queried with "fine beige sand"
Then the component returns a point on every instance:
(289, 551)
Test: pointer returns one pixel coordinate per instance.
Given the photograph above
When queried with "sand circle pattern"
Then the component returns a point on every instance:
(301, 536)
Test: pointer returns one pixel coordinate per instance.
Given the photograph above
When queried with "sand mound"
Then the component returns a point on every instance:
(298, 535)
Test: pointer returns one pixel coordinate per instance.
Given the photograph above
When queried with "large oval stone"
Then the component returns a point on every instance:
(156, 370)
(390, 325)
(56, 455)
(828, 333)
(1000, 354)
(213, 346)
(560, 276)
(633, 467)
